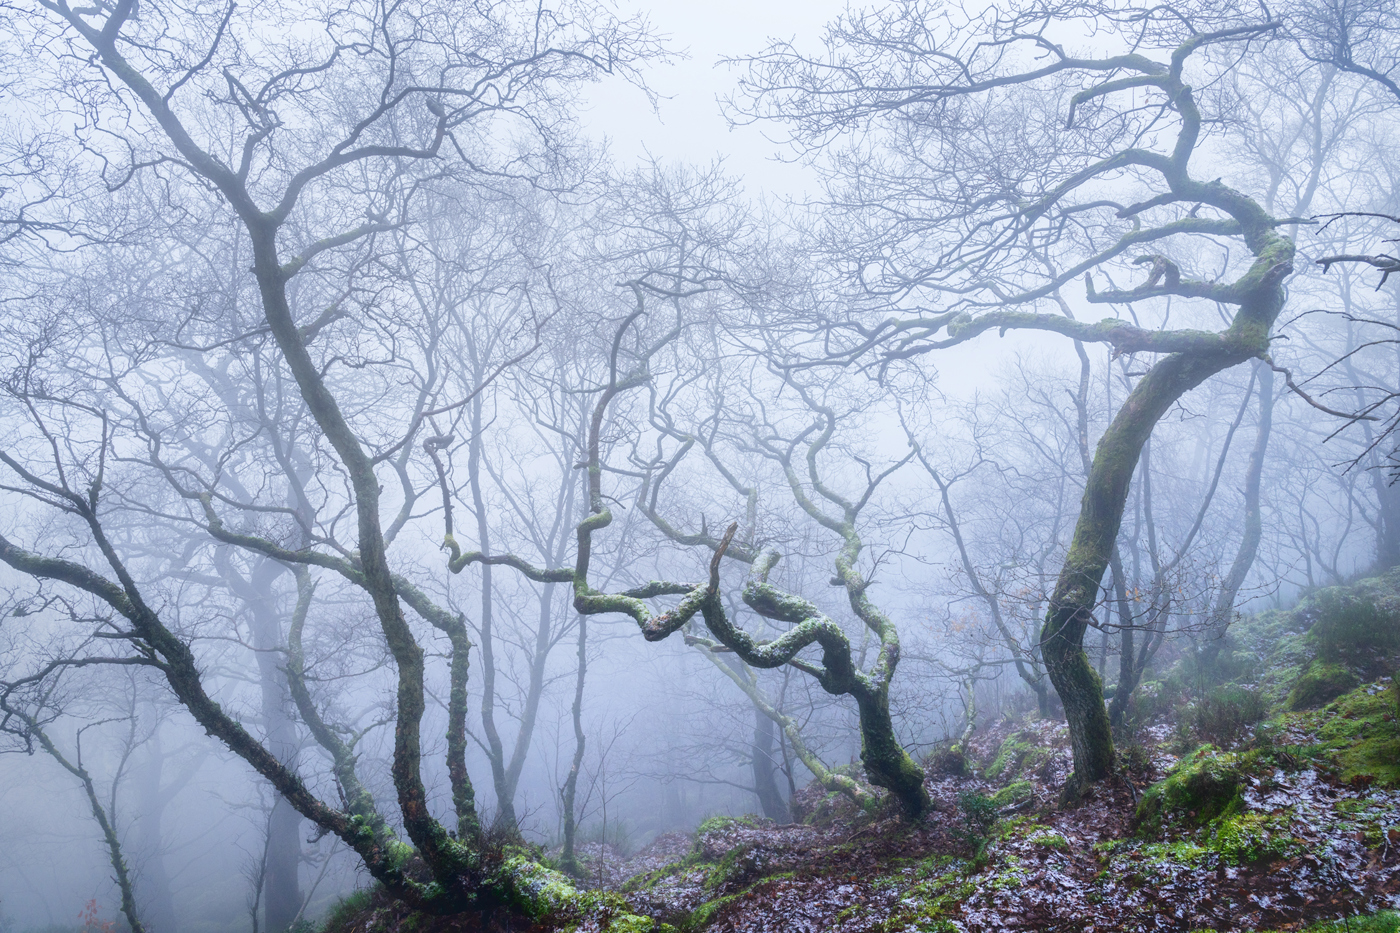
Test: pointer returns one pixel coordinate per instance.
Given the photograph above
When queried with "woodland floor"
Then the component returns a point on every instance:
(1290, 820)
(1317, 844)
(1310, 842)
(1331, 850)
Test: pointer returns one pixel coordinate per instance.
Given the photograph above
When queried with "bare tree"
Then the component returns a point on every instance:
(912, 86)
(341, 124)
(29, 706)
(887, 764)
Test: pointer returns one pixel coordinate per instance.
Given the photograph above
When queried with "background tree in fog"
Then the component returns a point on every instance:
(323, 166)
(682, 247)
(31, 708)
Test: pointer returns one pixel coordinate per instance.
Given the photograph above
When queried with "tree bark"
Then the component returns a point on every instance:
(569, 792)
(1077, 589)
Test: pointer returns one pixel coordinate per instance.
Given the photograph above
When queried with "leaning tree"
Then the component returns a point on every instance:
(984, 175)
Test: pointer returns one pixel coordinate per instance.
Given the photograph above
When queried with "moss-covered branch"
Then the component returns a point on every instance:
(183, 675)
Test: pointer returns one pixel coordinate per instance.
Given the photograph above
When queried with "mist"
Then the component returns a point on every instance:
(635, 467)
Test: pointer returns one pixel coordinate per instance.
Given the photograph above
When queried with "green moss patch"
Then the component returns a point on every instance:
(1321, 683)
(706, 913)
(702, 916)
(1025, 828)
(737, 864)
(1012, 794)
(1020, 752)
(1202, 795)
(1018, 827)
(940, 886)
(1254, 837)
(1049, 839)
(547, 895)
(1180, 852)
(650, 879)
(720, 824)
(1203, 786)
(1384, 922)
(1358, 737)
(1232, 839)
(1376, 820)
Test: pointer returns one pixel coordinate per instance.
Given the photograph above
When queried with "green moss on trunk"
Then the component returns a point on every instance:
(886, 762)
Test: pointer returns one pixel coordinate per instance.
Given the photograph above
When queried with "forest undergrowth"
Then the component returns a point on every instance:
(1265, 796)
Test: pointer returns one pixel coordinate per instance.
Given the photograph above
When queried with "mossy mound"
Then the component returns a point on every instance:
(1203, 786)
(1202, 797)
(1321, 683)
(721, 824)
(1269, 648)
(1355, 738)
(1020, 752)
(1244, 838)
(1013, 794)
(1361, 737)
(1357, 626)
(1297, 656)
(544, 899)
(948, 762)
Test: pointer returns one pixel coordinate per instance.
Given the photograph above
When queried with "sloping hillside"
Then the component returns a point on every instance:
(1264, 798)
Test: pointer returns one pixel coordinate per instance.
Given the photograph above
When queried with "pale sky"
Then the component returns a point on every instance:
(689, 126)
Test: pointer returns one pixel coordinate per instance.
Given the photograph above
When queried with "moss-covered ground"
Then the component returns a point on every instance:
(1263, 795)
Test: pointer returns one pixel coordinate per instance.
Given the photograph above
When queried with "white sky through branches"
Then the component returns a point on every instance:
(689, 125)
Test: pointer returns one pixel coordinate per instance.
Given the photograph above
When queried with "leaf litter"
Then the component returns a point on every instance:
(1329, 849)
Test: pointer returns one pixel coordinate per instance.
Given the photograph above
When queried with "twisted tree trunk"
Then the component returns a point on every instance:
(1077, 589)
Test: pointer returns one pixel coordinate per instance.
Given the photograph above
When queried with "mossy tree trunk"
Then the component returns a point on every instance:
(739, 673)
(1019, 257)
(1077, 588)
(886, 762)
